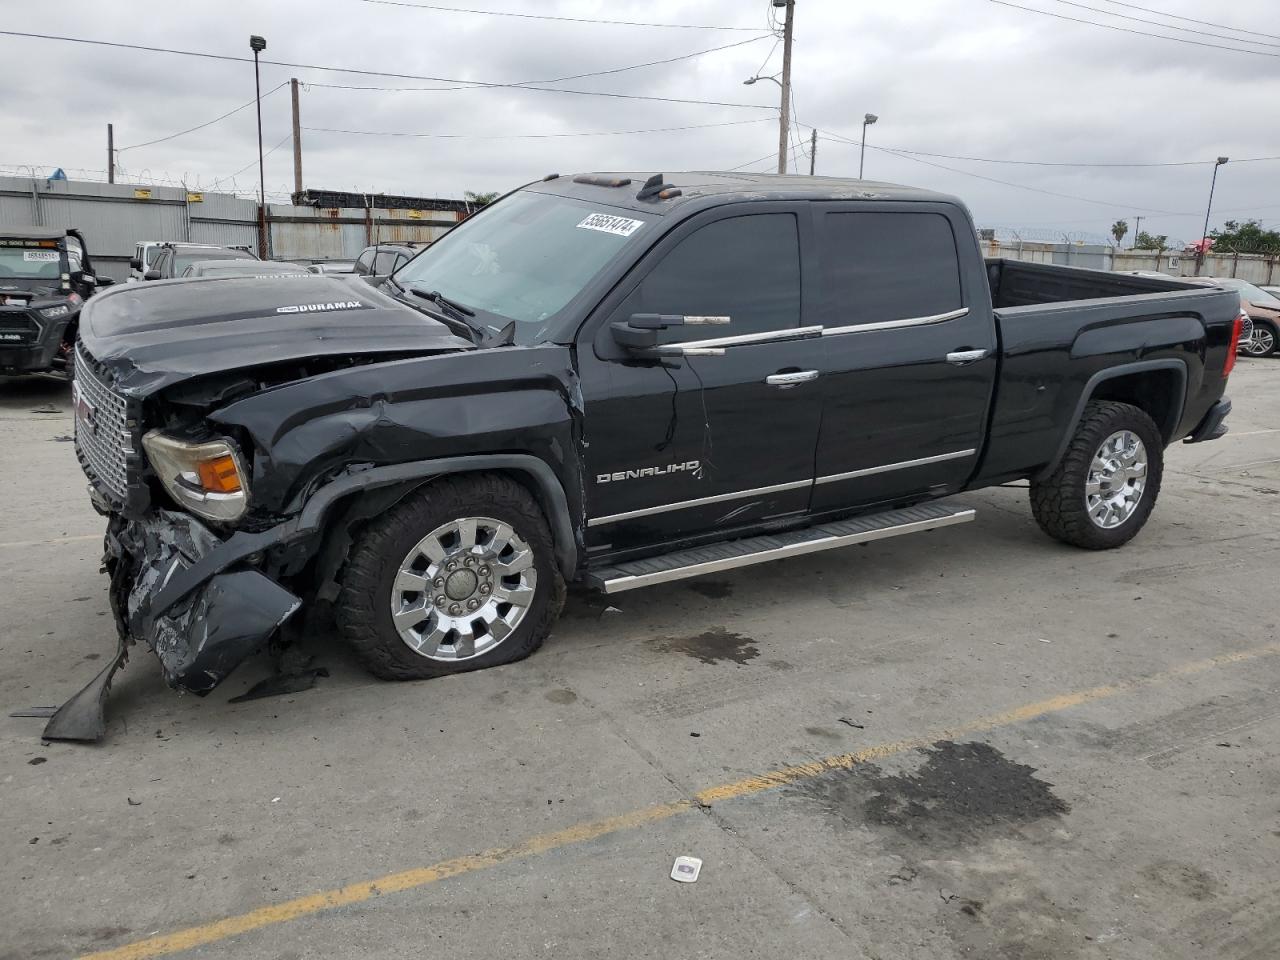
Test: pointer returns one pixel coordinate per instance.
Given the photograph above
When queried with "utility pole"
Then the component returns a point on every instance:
(813, 150)
(257, 45)
(784, 114)
(111, 154)
(1137, 229)
(297, 139)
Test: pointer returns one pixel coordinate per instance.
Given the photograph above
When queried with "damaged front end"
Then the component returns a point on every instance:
(172, 587)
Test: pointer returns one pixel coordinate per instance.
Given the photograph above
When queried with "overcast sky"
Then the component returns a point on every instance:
(968, 78)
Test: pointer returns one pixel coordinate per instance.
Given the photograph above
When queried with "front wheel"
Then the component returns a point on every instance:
(1262, 342)
(1105, 488)
(459, 576)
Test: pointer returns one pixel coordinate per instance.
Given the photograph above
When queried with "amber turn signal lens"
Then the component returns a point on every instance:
(219, 475)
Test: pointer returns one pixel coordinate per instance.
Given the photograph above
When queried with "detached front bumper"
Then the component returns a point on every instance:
(173, 587)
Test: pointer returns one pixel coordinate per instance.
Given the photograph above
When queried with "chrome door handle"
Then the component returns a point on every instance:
(791, 379)
(961, 357)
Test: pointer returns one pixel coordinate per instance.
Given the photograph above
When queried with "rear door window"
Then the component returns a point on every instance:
(364, 263)
(746, 268)
(880, 266)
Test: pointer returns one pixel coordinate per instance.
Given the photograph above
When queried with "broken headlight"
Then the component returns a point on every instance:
(206, 478)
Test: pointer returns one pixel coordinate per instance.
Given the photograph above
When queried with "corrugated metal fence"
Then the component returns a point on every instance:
(115, 217)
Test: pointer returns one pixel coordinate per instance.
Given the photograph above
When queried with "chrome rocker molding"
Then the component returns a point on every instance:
(903, 465)
(776, 488)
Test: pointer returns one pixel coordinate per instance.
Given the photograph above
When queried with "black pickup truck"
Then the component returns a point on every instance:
(622, 380)
(45, 277)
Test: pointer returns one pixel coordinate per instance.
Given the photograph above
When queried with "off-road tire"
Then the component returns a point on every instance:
(1058, 501)
(363, 609)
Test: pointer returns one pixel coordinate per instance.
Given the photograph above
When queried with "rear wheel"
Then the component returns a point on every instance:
(460, 576)
(1262, 342)
(1105, 488)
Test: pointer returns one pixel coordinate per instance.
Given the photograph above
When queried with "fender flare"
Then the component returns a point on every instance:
(1179, 368)
(551, 493)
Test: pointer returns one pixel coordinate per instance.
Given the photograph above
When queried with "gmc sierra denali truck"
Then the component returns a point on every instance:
(622, 380)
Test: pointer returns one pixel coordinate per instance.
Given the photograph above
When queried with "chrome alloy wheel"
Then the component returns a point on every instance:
(463, 588)
(1261, 341)
(1117, 476)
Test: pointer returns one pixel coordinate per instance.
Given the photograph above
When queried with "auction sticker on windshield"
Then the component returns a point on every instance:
(40, 256)
(605, 223)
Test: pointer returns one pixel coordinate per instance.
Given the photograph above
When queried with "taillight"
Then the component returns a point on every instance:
(1236, 329)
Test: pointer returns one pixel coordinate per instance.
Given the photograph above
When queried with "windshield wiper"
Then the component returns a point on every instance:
(458, 323)
(440, 300)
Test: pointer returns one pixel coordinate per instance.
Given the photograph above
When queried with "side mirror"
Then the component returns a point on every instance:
(647, 333)
(152, 274)
(135, 264)
(88, 279)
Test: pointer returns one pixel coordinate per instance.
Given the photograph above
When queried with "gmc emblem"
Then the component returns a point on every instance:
(85, 411)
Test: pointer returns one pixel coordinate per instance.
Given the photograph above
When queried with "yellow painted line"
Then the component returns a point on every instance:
(316, 903)
(41, 543)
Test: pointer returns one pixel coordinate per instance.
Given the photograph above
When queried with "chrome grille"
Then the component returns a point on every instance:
(103, 438)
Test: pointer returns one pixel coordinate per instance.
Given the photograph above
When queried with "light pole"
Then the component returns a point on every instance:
(1207, 210)
(257, 45)
(867, 120)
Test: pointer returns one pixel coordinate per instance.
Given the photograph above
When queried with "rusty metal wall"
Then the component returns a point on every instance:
(115, 217)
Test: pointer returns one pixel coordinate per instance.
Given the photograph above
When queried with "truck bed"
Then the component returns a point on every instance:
(1060, 327)
(1015, 283)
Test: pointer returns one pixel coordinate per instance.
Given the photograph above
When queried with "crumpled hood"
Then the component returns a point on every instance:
(155, 334)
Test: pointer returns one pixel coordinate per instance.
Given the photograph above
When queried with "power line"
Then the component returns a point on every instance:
(378, 73)
(543, 16)
(1138, 33)
(1166, 26)
(254, 161)
(1204, 23)
(653, 63)
(1053, 163)
(532, 136)
(752, 163)
(1009, 183)
(182, 133)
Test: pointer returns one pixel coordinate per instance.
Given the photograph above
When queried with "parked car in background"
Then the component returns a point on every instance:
(240, 267)
(45, 277)
(384, 259)
(328, 267)
(173, 258)
(585, 381)
(1263, 310)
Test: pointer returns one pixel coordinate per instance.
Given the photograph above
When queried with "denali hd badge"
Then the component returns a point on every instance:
(689, 466)
(316, 307)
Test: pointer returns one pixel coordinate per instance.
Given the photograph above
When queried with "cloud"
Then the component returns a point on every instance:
(967, 78)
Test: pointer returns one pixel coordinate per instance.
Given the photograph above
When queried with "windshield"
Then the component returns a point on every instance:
(35, 262)
(523, 260)
(1255, 295)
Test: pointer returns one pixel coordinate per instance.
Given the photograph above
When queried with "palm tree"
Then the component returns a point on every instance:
(480, 199)
(1118, 230)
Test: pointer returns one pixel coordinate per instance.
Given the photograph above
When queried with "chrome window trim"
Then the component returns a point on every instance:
(700, 502)
(792, 333)
(897, 324)
(902, 465)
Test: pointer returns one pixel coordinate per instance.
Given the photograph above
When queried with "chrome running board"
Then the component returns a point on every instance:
(717, 557)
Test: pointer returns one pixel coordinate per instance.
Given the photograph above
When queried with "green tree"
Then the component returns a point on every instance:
(1150, 241)
(1118, 230)
(1247, 237)
(480, 199)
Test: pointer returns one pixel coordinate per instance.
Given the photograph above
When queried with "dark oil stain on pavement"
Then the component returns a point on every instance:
(713, 646)
(711, 589)
(561, 695)
(1183, 879)
(961, 793)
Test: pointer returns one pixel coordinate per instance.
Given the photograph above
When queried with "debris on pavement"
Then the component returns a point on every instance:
(281, 683)
(850, 722)
(686, 869)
